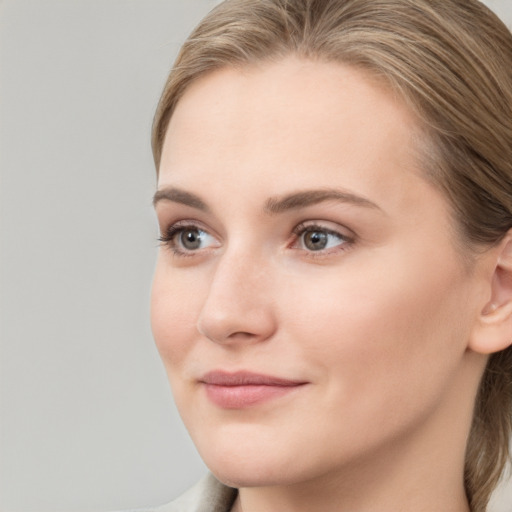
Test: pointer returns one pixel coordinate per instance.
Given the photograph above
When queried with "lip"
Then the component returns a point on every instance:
(244, 389)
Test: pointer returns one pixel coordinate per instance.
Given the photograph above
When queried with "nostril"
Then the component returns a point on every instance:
(242, 335)
(257, 325)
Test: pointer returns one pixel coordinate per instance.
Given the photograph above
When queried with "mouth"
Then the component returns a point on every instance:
(242, 389)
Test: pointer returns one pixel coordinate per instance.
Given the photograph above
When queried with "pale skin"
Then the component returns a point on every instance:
(306, 244)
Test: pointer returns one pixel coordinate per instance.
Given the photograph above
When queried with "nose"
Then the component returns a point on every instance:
(238, 309)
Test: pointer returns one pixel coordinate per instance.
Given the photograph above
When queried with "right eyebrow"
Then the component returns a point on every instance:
(177, 195)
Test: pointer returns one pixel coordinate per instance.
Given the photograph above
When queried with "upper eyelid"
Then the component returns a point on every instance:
(185, 223)
(340, 230)
(318, 227)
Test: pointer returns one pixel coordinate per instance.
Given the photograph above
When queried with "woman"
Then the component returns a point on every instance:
(333, 293)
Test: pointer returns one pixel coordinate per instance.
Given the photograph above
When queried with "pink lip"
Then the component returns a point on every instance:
(243, 389)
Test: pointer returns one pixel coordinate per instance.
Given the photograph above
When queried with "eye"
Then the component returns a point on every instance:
(191, 239)
(184, 239)
(315, 238)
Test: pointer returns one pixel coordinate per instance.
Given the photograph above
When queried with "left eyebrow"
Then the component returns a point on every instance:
(306, 198)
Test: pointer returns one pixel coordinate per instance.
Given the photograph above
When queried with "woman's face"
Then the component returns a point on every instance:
(309, 302)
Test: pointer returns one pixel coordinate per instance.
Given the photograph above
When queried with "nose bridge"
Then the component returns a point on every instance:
(242, 267)
(239, 302)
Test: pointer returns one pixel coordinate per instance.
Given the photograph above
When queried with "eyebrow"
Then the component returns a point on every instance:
(293, 201)
(177, 195)
(306, 198)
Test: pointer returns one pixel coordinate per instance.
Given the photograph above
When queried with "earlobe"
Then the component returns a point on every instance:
(493, 331)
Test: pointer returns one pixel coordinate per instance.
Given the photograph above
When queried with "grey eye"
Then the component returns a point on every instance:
(315, 240)
(191, 239)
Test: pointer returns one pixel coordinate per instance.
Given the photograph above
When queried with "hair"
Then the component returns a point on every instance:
(450, 61)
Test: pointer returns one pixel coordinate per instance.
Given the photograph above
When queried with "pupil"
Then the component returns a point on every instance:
(315, 240)
(191, 239)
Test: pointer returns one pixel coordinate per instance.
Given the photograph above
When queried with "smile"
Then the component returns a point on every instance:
(244, 389)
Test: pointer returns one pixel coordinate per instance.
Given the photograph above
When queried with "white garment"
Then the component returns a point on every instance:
(208, 495)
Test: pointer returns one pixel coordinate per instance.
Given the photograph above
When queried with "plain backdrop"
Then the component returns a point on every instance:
(87, 420)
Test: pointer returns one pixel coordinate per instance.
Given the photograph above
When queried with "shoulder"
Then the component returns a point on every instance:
(208, 495)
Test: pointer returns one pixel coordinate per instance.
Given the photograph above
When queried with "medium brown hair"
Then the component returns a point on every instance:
(451, 62)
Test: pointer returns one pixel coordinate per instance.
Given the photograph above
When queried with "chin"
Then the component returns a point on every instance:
(234, 477)
(250, 474)
(239, 463)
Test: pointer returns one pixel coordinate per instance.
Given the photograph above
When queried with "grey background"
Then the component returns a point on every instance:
(87, 421)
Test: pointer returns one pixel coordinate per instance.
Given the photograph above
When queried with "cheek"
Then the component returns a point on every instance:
(174, 313)
(381, 335)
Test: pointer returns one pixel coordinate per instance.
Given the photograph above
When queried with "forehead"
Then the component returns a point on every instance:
(290, 119)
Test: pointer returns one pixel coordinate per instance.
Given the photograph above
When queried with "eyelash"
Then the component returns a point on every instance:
(169, 239)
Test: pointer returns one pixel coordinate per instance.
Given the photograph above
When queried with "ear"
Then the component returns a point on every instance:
(493, 331)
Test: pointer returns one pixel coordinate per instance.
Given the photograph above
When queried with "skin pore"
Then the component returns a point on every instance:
(300, 241)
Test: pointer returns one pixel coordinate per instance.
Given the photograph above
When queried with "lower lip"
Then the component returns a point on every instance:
(239, 397)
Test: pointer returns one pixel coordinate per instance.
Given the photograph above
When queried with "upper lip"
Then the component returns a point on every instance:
(245, 378)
